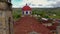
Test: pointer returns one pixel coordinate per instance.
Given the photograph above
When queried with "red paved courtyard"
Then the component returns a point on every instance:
(28, 24)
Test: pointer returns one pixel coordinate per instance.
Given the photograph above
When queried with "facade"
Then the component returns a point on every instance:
(6, 20)
(26, 10)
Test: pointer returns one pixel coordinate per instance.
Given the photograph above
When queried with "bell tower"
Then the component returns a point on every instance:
(6, 20)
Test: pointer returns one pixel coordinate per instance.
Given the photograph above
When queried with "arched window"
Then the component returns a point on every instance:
(26, 12)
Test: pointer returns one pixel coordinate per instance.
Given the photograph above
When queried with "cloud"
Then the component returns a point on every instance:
(57, 4)
(51, 0)
(36, 3)
(17, 3)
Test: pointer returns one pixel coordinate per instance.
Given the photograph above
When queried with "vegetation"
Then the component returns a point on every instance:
(16, 14)
(43, 12)
(48, 12)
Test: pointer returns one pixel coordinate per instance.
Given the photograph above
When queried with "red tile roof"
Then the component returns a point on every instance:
(25, 8)
(28, 24)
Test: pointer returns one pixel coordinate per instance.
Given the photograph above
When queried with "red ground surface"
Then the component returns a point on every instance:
(27, 24)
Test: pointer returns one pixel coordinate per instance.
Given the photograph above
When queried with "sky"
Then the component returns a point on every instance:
(36, 3)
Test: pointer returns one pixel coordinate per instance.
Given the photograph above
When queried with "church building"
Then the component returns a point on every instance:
(6, 19)
(26, 10)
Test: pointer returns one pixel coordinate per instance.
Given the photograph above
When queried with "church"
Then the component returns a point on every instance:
(26, 25)
(26, 10)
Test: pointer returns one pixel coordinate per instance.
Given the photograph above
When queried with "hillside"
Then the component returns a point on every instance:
(39, 11)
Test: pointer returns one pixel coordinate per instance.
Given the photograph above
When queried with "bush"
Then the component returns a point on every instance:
(16, 15)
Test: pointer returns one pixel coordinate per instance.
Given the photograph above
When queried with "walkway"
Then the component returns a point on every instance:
(27, 24)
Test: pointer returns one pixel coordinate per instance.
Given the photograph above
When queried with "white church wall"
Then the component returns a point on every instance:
(24, 12)
(29, 12)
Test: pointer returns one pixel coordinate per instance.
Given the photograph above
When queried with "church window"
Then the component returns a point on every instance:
(26, 12)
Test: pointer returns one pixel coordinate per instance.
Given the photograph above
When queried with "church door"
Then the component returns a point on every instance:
(26, 12)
